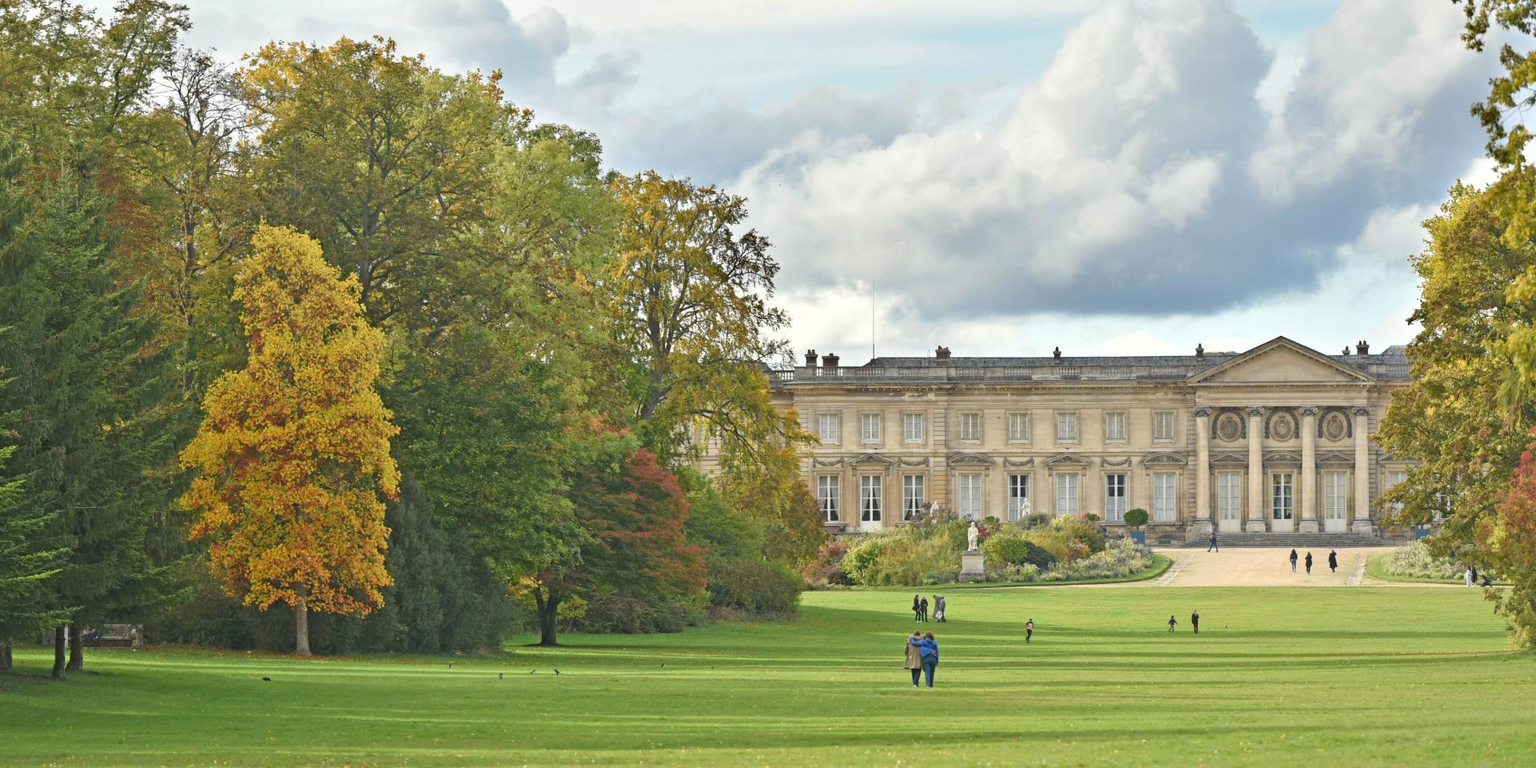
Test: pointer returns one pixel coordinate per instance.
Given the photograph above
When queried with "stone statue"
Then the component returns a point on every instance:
(1024, 508)
(972, 534)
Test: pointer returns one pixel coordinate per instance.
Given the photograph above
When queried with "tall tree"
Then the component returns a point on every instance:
(29, 558)
(294, 452)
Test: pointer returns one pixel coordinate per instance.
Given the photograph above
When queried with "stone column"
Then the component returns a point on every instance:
(1309, 469)
(1362, 470)
(1255, 471)
(1203, 526)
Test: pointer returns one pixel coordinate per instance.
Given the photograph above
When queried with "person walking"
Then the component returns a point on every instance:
(915, 656)
(917, 608)
(930, 651)
(1194, 620)
(1309, 563)
(1474, 574)
(1293, 561)
(1333, 561)
(1172, 622)
(941, 609)
(922, 610)
(1214, 545)
(1467, 575)
(1029, 631)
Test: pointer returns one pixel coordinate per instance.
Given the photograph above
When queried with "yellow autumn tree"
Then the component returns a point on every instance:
(293, 453)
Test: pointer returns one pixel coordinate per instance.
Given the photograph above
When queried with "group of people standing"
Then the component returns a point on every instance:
(920, 608)
(1333, 561)
(1471, 576)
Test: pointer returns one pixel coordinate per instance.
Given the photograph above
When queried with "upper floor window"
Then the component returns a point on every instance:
(869, 427)
(828, 425)
(1114, 425)
(1162, 425)
(912, 427)
(1018, 427)
(970, 426)
(1066, 427)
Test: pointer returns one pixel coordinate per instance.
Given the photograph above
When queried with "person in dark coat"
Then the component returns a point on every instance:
(1333, 561)
(917, 609)
(1293, 561)
(1194, 620)
(1474, 574)
(1309, 563)
(1172, 622)
(1029, 630)
(923, 610)
(1213, 545)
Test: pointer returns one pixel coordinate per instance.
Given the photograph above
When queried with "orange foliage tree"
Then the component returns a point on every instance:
(1508, 543)
(293, 451)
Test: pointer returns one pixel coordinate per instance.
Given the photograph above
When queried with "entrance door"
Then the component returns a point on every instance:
(1335, 501)
(1282, 509)
(1229, 502)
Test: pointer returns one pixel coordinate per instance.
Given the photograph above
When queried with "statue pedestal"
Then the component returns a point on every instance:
(972, 565)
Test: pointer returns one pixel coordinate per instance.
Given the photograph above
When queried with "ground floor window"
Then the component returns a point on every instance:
(1114, 498)
(1335, 495)
(1229, 495)
(968, 496)
(1393, 478)
(1066, 494)
(1164, 497)
(914, 492)
(1283, 496)
(827, 494)
(869, 498)
(1018, 496)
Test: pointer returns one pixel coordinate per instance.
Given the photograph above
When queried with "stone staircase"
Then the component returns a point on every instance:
(1290, 540)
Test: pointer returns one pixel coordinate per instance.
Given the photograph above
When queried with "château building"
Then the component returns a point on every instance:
(1274, 439)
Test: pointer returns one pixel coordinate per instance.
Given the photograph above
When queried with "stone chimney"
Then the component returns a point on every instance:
(1199, 351)
(1346, 351)
(810, 358)
(1056, 356)
(829, 361)
(1363, 347)
(942, 353)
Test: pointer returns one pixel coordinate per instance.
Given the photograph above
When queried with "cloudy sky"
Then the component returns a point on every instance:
(1006, 176)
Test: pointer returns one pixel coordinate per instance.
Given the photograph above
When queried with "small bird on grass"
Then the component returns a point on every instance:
(557, 671)
(266, 679)
(663, 664)
(531, 671)
(498, 675)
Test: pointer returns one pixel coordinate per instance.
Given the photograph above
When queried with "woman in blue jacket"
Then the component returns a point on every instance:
(930, 652)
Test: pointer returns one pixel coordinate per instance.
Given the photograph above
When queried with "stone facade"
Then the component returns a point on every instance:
(1275, 439)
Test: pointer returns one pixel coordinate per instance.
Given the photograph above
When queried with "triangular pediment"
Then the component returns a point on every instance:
(871, 458)
(969, 459)
(1067, 460)
(1282, 361)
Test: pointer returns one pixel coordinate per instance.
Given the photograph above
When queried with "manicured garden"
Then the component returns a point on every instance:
(1363, 676)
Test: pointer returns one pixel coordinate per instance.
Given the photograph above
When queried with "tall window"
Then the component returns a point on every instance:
(1229, 495)
(1018, 427)
(1335, 495)
(970, 426)
(914, 491)
(1018, 493)
(1114, 425)
(869, 427)
(827, 488)
(869, 498)
(1283, 497)
(1066, 427)
(1162, 425)
(1393, 478)
(1163, 495)
(828, 425)
(1066, 495)
(1114, 497)
(912, 427)
(969, 496)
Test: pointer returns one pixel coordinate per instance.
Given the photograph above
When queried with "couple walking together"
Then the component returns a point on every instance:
(922, 656)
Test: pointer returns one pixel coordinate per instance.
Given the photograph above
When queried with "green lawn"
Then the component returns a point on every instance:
(1297, 676)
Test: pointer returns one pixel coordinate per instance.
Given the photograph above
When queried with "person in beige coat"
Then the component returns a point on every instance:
(914, 656)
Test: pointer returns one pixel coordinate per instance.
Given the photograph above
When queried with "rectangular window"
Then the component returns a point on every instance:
(827, 488)
(828, 425)
(968, 496)
(1114, 425)
(1066, 495)
(1066, 427)
(1164, 506)
(1018, 427)
(1335, 495)
(1162, 425)
(869, 427)
(970, 426)
(1114, 498)
(912, 427)
(1229, 496)
(869, 498)
(1283, 496)
(1393, 478)
(1018, 496)
(914, 492)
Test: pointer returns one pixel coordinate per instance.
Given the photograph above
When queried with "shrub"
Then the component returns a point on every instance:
(824, 570)
(864, 556)
(1026, 572)
(1123, 559)
(741, 586)
(1136, 518)
(1012, 549)
(613, 613)
(1415, 561)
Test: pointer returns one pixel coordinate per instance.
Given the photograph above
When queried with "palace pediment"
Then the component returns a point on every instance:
(970, 460)
(1163, 460)
(1281, 361)
(1066, 460)
(871, 458)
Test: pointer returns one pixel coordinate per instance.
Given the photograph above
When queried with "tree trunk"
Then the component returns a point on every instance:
(5, 657)
(549, 612)
(60, 639)
(301, 624)
(76, 652)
